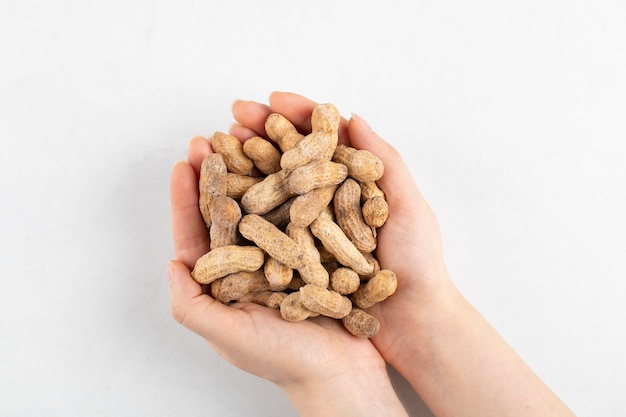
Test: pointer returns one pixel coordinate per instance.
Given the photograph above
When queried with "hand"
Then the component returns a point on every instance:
(322, 368)
(409, 243)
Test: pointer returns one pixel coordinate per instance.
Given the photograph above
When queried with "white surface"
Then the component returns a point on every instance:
(510, 114)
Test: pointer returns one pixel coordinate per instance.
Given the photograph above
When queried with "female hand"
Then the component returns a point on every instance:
(322, 368)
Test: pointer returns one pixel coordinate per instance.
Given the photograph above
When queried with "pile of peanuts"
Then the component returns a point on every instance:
(292, 220)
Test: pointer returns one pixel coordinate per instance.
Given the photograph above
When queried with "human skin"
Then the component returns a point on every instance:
(322, 368)
(453, 358)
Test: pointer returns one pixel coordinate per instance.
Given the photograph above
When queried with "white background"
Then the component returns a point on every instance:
(511, 116)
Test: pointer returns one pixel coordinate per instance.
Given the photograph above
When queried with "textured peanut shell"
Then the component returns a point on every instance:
(226, 260)
(361, 324)
(267, 194)
(277, 274)
(375, 211)
(234, 286)
(280, 130)
(225, 216)
(311, 148)
(316, 175)
(362, 164)
(344, 281)
(292, 309)
(271, 299)
(336, 242)
(347, 204)
(232, 150)
(265, 156)
(212, 183)
(272, 240)
(312, 272)
(325, 118)
(237, 185)
(377, 289)
(325, 302)
(307, 207)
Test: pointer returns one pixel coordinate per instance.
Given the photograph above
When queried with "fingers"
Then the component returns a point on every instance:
(298, 110)
(199, 148)
(188, 229)
(251, 115)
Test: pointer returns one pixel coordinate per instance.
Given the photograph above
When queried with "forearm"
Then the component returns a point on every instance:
(368, 393)
(461, 366)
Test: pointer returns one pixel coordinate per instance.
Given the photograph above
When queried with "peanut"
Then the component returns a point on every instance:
(316, 175)
(277, 274)
(344, 281)
(312, 272)
(292, 309)
(225, 216)
(376, 289)
(272, 240)
(234, 286)
(325, 302)
(308, 206)
(237, 185)
(361, 324)
(333, 239)
(271, 299)
(282, 131)
(267, 194)
(347, 206)
(325, 118)
(212, 183)
(311, 148)
(232, 150)
(265, 156)
(362, 165)
(225, 260)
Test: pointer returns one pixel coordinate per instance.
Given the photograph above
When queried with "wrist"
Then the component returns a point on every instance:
(362, 392)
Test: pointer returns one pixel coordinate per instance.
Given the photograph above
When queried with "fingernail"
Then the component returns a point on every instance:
(361, 121)
(170, 272)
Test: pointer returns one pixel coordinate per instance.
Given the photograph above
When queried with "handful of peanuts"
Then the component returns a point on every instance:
(292, 221)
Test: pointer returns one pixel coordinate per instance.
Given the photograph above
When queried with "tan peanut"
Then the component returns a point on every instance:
(277, 274)
(325, 118)
(308, 206)
(347, 204)
(336, 242)
(272, 240)
(265, 156)
(369, 256)
(362, 165)
(271, 299)
(267, 194)
(316, 175)
(375, 212)
(361, 324)
(325, 302)
(225, 216)
(232, 150)
(233, 286)
(311, 148)
(377, 289)
(344, 281)
(313, 272)
(292, 309)
(237, 185)
(226, 260)
(212, 183)
(282, 131)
